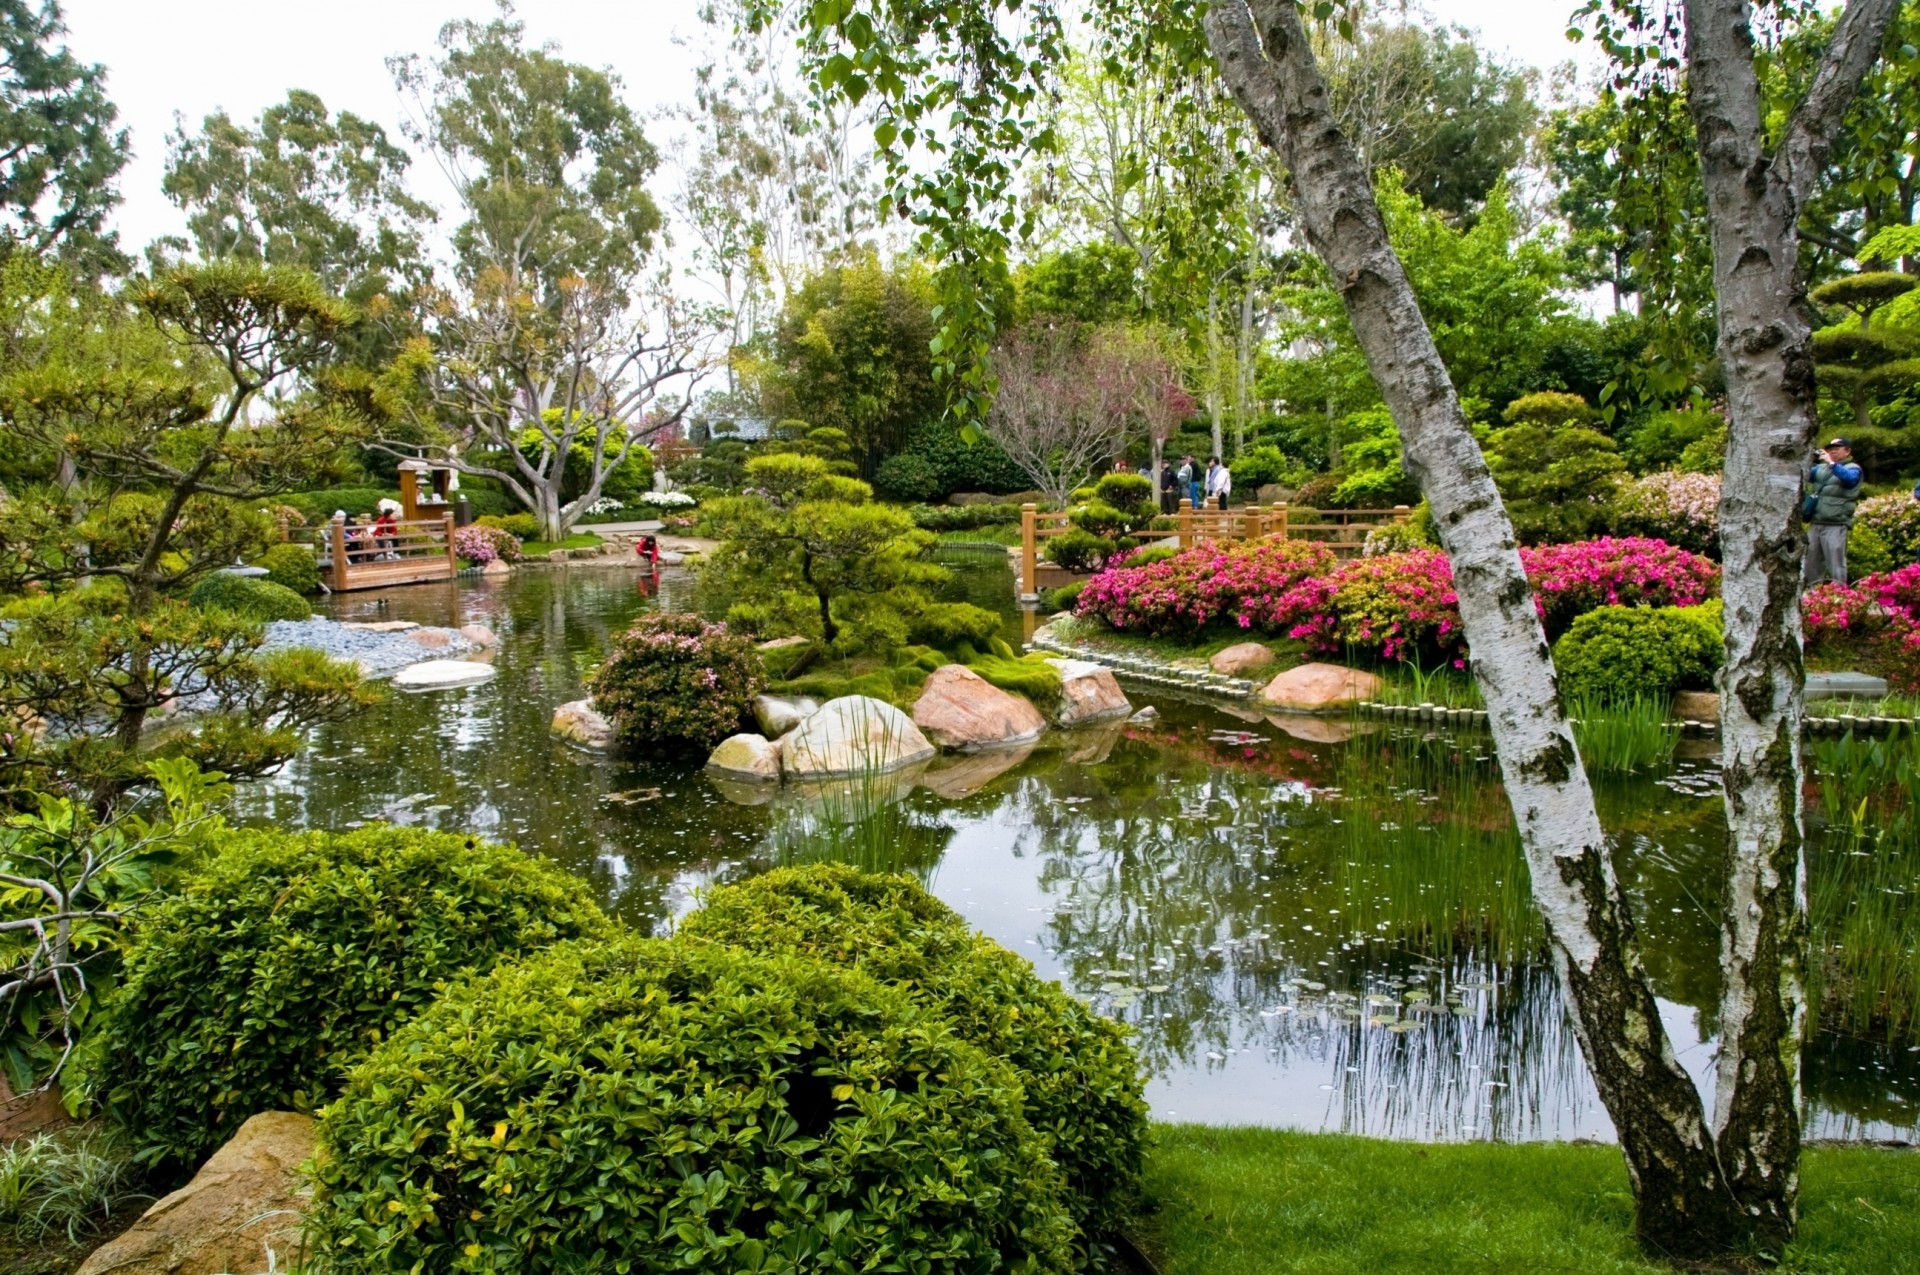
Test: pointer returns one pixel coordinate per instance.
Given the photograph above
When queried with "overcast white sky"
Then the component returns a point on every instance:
(196, 56)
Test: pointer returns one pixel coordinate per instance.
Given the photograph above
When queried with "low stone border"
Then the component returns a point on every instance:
(1141, 668)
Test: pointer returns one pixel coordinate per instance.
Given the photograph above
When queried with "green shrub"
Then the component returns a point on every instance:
(1082, 1081)
(908, 476)
(1099, 518)
(963, 517)
(519, 526)
(1260, 465)
(655, 1105)
(1078, 550)
(1896, 517)
(284, 958)
(1868, 552)
(1131, 494)
(1149, 554)
(1615, 654)
(1063, 598)
(944, 624)
(254, 597)
(292, 567)
(979, 465)
(673, 680)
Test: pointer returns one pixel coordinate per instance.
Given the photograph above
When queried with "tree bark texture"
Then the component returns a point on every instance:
(1683, 1205)
(1765, 346)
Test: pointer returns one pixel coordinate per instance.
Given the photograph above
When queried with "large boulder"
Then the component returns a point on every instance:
(854, 735)
(241, 1213)
(1241, 659)
(1321, 688)
(1696, 706)
(747, 757)
(778, 714)
(1089, 693)
(962, 711)
(581, 724)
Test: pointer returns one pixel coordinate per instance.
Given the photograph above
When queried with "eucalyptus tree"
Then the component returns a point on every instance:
(1704, 1184)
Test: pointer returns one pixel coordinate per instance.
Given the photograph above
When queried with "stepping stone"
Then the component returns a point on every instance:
(1845, 686)
(442, 675)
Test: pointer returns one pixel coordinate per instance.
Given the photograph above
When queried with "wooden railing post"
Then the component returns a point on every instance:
(1403, 513)
(1185, 528)
(453, 559)
(1281, 509)
(1250, 522)
(337, 538)
(1029, 551)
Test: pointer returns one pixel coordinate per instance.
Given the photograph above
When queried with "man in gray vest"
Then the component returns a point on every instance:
(1832, 490)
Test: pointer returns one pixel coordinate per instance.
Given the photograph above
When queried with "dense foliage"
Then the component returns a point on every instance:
(1216, 582)
(670, 1105)
(1618, 653)
(284, 958)
(1081, 1083)
(675, 680)
(1680, 508)
(256, 598)
(291, 566)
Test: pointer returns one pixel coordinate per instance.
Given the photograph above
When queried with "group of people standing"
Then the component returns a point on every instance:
(1191, 483)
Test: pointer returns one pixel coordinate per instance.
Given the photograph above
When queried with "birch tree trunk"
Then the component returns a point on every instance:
(1765, 346)
(1683, 1206)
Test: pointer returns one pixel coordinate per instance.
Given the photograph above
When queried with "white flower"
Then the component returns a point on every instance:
(668, 500)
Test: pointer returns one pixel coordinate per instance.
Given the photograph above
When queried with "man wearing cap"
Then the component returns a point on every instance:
(1832, 490)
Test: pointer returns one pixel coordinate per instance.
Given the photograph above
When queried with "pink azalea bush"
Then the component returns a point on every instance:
(675, 681)
(1896, 517)
(1393, 606)
(481, 545)
(1873, 623)
(1572, 579)
(1682, 509)
(1234, 582)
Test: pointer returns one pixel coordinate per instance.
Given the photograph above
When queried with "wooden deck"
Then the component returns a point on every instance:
(409, 553)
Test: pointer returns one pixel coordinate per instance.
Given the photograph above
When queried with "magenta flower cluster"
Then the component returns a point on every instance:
(1877, 616)
(1396, 606)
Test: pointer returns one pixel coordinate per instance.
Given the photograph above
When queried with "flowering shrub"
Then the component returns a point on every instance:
(605, 505)
(666, 500)
(1395, 606)
(1896, 516)
(1874, 622)
(481, 545)
(1236, 582)
(1572, 579)
(1682, 509)
(677, 680)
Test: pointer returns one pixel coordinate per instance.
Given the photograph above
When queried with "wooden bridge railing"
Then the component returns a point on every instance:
(370, 557)
(1342, 530)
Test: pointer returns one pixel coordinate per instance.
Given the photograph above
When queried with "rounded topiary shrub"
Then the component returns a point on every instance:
(675, 680)
(253, 597)
(656, 1105)
(1082, 1081)
(292, 567)
(1619, 653)
(1078, 550)
(284, 958)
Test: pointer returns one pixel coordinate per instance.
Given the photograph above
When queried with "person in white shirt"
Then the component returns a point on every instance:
(1219, 481)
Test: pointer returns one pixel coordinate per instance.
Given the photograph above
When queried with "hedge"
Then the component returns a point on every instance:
(254, 597)
(1614, 654)
(292, 567)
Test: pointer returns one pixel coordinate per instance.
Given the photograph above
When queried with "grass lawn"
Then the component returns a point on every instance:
(1269, 1202)
(578, 540)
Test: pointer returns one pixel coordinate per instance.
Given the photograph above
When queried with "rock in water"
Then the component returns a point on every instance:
(952, 778)
(854, 735)
(1696, 706)
(581, 724)
(747, 757)
(960, 710)
(1145, 717)
(480, 635)
(1321, 688)
(248, 1199)
(498, 567)
(1088, 694)
(778, 714)
(1241, 659)
(440, 675)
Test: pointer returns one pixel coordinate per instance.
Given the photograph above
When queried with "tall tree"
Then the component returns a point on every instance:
(301, 187)
(549, 162)
(1702, 1189)
(59, 150)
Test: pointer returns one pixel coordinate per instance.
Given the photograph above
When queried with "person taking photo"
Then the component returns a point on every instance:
(1833, 488)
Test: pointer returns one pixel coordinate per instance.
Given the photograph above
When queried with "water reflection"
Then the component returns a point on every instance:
(1307, 925)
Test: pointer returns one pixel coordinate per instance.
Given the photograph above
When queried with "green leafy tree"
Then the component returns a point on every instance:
(59, 150)
(1557, 474)
(549, 162)
(1861, 363)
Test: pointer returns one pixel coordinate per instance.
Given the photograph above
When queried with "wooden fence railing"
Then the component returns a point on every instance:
(369, 557)
(1342, 530)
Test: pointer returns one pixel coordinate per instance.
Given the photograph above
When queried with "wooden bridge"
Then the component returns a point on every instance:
(364, 556)
(1342, 530)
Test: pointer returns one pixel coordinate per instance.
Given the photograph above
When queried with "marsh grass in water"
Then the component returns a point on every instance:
(1618, 737)
(1444, 687)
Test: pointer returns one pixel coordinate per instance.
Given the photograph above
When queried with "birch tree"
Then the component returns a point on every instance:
(1705, 1185)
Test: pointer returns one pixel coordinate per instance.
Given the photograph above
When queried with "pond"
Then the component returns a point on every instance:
(1330, 932)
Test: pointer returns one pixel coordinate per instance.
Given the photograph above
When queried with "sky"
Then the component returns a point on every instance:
(191, 57)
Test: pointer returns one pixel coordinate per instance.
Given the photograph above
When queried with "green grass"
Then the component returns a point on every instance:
(1888, 706)
(578, 540)
(1267, 1202)
(1446, 687)
(1622, 736)
(61, 1193)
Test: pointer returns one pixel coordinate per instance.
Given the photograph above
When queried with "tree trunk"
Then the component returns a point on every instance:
(1766, 352)
(1683, 1206)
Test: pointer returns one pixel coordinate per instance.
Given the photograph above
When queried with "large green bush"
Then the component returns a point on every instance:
(908, 476)
(254, 597)
(284, 958)
(1082, 1081)
(1078, 550)
(653, 1105)
(1614, 654)
(979, 465)
(674, 680)
(1131, 494)
(519, 526)
(292, 567)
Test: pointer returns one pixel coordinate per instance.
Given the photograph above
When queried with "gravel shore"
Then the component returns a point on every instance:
(379, 654)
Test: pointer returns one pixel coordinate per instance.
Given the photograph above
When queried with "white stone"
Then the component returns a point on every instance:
(854, 735)
(441, 675)
(1089, 693)
(380, 626)
(747, 757)
(778, 714)
(580, 723)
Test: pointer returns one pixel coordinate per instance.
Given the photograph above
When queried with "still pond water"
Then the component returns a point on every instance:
(1325, 933)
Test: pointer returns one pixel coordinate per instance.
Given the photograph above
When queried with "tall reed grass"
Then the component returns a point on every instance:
(66, 1183)
(1622, 736)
